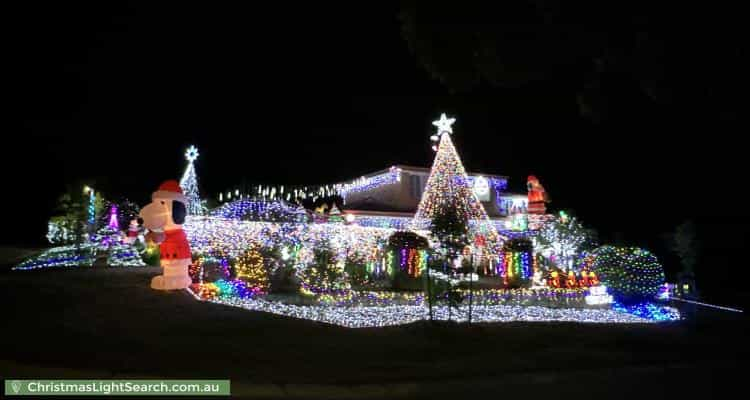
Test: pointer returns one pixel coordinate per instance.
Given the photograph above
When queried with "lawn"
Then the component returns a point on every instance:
(108, 322)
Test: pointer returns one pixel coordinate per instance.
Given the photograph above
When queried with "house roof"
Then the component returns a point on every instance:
(426, 171)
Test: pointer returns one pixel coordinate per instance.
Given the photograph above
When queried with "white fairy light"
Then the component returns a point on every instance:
(598, 295)
(379, 316)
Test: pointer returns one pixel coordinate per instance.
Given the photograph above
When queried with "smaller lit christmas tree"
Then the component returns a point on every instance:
(189, 183)
(334, 215)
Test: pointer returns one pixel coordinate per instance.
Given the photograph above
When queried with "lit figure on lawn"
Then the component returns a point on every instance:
(164, 218)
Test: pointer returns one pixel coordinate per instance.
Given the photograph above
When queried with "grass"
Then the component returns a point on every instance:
(108, 320)
(10, 256)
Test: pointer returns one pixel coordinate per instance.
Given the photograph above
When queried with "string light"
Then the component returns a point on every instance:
(379, 316)
(61, 230)
(231, 270)
(629, 272)
(120, 254)
(515, 266)
(261, 210)
(408, 252)
(561, 241)
(598, 295)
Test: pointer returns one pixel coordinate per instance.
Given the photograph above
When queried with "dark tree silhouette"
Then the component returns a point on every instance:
(608, 55)
(685, 244)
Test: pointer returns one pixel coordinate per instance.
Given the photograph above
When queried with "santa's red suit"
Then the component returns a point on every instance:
(133, 230)
(537, 196)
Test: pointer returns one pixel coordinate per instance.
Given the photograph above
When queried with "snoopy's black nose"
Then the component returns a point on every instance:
(140, 221)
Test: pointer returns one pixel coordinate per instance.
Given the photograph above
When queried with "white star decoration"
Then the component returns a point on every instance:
(444, 124)
(191, 154)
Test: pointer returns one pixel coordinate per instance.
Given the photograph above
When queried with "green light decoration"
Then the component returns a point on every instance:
(632, 274)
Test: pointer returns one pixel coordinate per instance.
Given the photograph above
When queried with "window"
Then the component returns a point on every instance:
(416, 189)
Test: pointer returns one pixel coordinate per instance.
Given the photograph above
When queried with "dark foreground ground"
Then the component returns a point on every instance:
(101, 323)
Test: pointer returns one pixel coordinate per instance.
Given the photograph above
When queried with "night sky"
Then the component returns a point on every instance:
(318, 94)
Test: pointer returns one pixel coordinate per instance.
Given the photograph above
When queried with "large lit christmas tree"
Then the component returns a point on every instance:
(448, 186)
(189, 183)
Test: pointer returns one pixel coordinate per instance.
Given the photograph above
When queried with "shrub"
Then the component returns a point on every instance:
(279, 261)
(250, 268)
(357, 273)
(407, 240)
(324, 274)
(631, 274)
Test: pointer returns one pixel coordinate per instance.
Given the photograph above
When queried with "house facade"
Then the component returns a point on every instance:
(385, 197)
(399, 189)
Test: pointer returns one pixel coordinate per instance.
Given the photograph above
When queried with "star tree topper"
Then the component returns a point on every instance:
(444, 124)
(191, 154)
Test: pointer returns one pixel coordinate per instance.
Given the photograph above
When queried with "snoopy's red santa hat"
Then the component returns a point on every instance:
(169, 190)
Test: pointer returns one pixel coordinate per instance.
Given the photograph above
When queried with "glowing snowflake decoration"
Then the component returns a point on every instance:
(444, 124)
(191, 154)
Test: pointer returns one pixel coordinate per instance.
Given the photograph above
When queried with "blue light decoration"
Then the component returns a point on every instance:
(363, 184)
(510, 205)
(495, 183)
(261, 210)
(124, 255)
(92, 206)
(648, 310)
(234, 288)
(62, 256)
(400, 223)
(120, 254)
